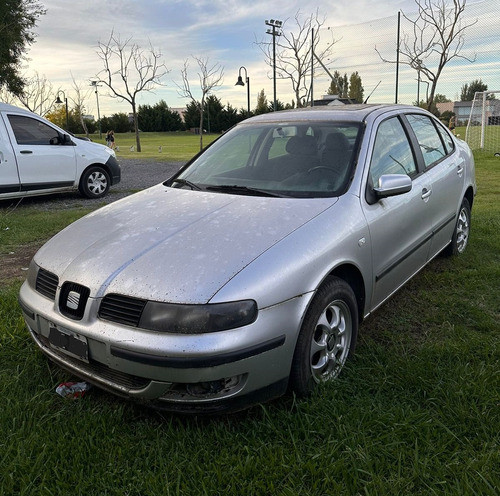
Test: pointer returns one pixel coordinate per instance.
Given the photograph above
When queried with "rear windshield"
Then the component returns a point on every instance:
(297, 159)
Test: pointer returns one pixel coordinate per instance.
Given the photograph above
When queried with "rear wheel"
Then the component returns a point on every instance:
(94, 182)
(460, 237)
(327, 337)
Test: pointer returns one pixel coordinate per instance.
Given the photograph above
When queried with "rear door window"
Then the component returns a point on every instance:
(431, 144)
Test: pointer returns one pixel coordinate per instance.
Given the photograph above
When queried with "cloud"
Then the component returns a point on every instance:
(226, 31)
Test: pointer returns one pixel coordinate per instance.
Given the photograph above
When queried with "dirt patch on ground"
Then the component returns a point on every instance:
(14, 264)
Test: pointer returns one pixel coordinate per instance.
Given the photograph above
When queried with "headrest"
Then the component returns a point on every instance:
(301, 145)
(336, 141)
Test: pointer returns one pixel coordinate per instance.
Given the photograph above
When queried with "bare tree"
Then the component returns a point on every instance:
(38, 94)
(81, 96)
(210, 76)
(7, 97)
(438, 37)
(294, 54)
(129, 70)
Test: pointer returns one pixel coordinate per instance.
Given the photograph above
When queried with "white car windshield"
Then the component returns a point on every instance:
(291, 160)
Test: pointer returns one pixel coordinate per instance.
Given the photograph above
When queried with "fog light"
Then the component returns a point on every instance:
(206, 388)
(203, 390)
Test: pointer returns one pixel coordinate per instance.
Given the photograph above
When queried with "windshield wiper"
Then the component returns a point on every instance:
(185, 182)
(228, 188)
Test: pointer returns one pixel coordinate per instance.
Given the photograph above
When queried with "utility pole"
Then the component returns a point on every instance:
(274, 31)
(95, 85)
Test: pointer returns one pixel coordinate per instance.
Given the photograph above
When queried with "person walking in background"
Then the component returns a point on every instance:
(452, 124)
(112, 139)
(108, 142)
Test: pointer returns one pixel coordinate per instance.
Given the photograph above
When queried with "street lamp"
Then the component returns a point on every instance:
(59, 101)
(274, 31)
(95, 85)
(241, 83)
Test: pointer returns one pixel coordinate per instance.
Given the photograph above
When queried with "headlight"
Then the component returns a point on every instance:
(197, 319)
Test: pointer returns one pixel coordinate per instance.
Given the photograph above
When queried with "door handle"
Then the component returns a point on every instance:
(26, 152)
(460, 169)
(426, 193)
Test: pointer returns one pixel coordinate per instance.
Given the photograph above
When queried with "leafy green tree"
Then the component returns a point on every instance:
(158, 118)
(279, 106)
(192, 115)
(231, 116)
(439, 98)
(468, 90)
(432, 109)
(262, 104)
(58, 116)
(122, 123)
(356, 90)
(446, 116)
(17, 20)
(212, 116)
(119, 123)
(339, 85)
(74, 122)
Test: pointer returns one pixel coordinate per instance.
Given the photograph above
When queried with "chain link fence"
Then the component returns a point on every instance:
(357, 45)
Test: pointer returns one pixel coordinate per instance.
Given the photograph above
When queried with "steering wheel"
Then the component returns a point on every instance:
(323, 167)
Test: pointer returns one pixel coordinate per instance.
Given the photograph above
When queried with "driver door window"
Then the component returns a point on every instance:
(392, 153)
(31, 131)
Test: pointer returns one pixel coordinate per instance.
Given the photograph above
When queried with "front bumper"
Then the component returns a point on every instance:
(221, 371)
(115, 170)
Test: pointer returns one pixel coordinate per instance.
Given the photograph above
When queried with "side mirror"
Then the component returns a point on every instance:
(61, 139)
(392, 185)
(66, 139)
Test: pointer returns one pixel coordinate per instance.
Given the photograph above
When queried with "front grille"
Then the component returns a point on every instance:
(73, 299)
(46, 283)
(122, 309)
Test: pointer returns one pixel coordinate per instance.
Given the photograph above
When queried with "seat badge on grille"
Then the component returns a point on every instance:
(73, 300)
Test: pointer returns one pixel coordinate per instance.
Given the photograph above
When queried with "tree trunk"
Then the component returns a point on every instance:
(201, 126)
(136, 128)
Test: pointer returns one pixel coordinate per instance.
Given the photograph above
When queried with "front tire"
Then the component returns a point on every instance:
(461, 233)
(327, 337)
(94, 182)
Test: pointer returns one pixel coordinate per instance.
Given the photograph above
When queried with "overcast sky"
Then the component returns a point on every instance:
(225, 31)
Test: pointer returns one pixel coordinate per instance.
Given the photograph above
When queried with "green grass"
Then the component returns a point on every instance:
(23, 226)
(417, 412)
(178, 146)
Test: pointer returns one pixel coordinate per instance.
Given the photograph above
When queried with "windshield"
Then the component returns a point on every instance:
(297, 159)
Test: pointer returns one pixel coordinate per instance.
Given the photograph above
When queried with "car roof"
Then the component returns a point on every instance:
(353, 112)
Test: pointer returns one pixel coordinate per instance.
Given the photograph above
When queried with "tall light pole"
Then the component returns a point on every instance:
(419, 67)
(274, 31)
(59, 101)
(241, 83)
(95, 85)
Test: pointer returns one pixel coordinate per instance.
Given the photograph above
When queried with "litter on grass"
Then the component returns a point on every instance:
(73, 390)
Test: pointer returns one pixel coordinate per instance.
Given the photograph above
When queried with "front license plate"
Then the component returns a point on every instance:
(70, 343)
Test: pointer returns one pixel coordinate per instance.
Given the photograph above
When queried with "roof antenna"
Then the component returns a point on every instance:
(372, 91)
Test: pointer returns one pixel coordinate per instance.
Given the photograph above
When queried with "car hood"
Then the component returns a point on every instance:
(170, 244)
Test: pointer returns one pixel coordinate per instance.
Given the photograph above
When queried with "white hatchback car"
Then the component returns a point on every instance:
(248, 272)
(38, 158)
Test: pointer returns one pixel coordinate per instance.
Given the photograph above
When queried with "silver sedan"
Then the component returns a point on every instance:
(249, 271)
